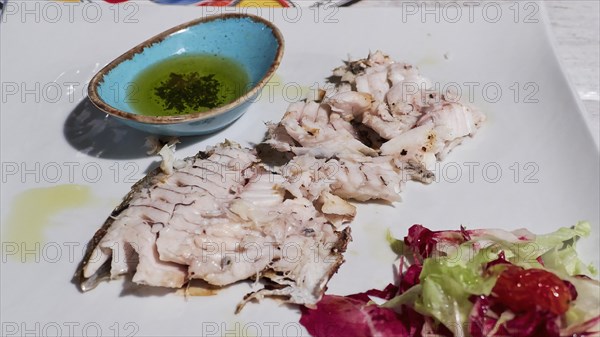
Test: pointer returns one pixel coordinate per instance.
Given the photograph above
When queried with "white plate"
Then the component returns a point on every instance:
(535, 139)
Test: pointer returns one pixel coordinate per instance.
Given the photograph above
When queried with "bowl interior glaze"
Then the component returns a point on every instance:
(252, 42)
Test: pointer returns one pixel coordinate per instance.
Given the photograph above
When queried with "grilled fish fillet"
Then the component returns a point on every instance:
(220, 216)
(381, 126)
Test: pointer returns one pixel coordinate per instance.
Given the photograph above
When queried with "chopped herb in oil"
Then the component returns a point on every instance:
(187, 84)
(182, 92)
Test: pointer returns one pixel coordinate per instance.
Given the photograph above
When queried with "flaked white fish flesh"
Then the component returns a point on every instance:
(220, 217)
(381, 126)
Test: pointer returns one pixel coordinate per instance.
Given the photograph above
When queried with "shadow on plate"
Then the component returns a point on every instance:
(91, 131)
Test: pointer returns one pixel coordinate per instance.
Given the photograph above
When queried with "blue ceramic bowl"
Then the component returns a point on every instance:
(254, 43)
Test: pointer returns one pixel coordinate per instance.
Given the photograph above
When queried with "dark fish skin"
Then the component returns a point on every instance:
(344, 237)
(85, 284)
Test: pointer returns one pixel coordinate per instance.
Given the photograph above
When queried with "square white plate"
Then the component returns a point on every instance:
(533, 164)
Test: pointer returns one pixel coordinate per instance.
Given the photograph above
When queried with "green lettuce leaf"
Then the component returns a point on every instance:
(446, 287)
(561, 258)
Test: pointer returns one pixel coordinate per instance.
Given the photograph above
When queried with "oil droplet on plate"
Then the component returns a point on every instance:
(427, 61)
(291, 92)
(196, 291)
(272, 89)
(33, 209)
(199, 288)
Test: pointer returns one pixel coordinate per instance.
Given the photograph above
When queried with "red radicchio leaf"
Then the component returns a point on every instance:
(422, 241)
(572, 290)
(500, 260)
(540, 261)
(387, 294)
(465, 233)
(351, 316)
(533, 324)
(486, 311)
(481, 320)
(410, 278)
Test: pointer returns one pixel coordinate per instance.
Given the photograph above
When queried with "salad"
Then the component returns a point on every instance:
(482, 282)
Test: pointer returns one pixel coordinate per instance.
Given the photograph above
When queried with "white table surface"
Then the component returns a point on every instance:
(576, 27)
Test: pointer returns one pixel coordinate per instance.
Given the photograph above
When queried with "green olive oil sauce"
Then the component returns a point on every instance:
(187, 84)
(33, 210)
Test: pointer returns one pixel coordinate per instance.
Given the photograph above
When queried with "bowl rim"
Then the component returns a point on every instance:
(197, 116)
